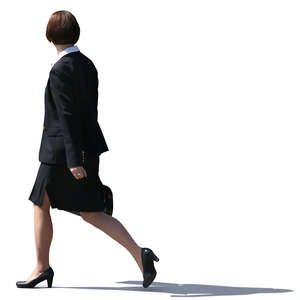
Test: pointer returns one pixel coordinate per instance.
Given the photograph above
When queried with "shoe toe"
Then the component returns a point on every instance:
(148, 279)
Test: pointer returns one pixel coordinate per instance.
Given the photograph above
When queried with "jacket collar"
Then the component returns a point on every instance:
(64, 52)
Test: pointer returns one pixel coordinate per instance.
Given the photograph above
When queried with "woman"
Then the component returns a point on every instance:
(71, 144)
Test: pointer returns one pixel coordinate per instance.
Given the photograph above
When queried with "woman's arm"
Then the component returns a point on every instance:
(62, 91)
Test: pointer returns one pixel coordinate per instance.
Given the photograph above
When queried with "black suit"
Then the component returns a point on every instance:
(71, 114)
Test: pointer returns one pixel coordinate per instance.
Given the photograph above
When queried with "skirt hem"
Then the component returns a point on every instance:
(67, 193)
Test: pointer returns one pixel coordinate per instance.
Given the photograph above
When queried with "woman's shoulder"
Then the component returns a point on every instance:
(71, 63)
(87, 60)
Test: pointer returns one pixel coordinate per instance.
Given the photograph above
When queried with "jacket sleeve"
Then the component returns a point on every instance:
(63, 95)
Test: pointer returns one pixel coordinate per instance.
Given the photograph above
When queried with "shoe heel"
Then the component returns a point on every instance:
(154, 256)
(49, 281)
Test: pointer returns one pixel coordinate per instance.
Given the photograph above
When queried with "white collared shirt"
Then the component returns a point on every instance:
(63, 52)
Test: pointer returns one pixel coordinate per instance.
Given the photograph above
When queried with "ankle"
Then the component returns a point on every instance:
(137, 252)
(41, 268)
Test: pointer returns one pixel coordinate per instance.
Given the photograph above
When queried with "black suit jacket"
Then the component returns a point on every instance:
(71, 113)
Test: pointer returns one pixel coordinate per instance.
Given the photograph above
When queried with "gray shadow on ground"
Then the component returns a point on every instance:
(185, 290)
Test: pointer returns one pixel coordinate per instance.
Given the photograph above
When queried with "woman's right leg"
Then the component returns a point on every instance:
(115, 229)
(43, 233)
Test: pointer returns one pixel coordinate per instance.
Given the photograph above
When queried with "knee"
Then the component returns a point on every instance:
(89, 216)
(45, 205)
(42, 208)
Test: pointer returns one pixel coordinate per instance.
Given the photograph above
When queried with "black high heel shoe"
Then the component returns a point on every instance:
(47, 274)
(149, 271)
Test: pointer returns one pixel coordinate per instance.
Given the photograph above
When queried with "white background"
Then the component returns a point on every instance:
(199, 105)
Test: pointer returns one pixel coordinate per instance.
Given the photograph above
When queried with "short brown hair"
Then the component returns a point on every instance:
(62, 28)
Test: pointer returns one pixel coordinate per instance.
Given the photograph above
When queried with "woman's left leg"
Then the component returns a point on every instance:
(114, 228)
(43, 234)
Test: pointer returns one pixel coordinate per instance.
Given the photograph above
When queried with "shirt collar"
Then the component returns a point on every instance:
(64, 52)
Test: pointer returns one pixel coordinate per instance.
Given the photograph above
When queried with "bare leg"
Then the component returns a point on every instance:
(43, 233)
(114, 228)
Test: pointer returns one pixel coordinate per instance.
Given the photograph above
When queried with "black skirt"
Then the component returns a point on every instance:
(65, 192)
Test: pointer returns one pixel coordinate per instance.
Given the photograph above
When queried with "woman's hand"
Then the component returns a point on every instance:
(78, 172)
